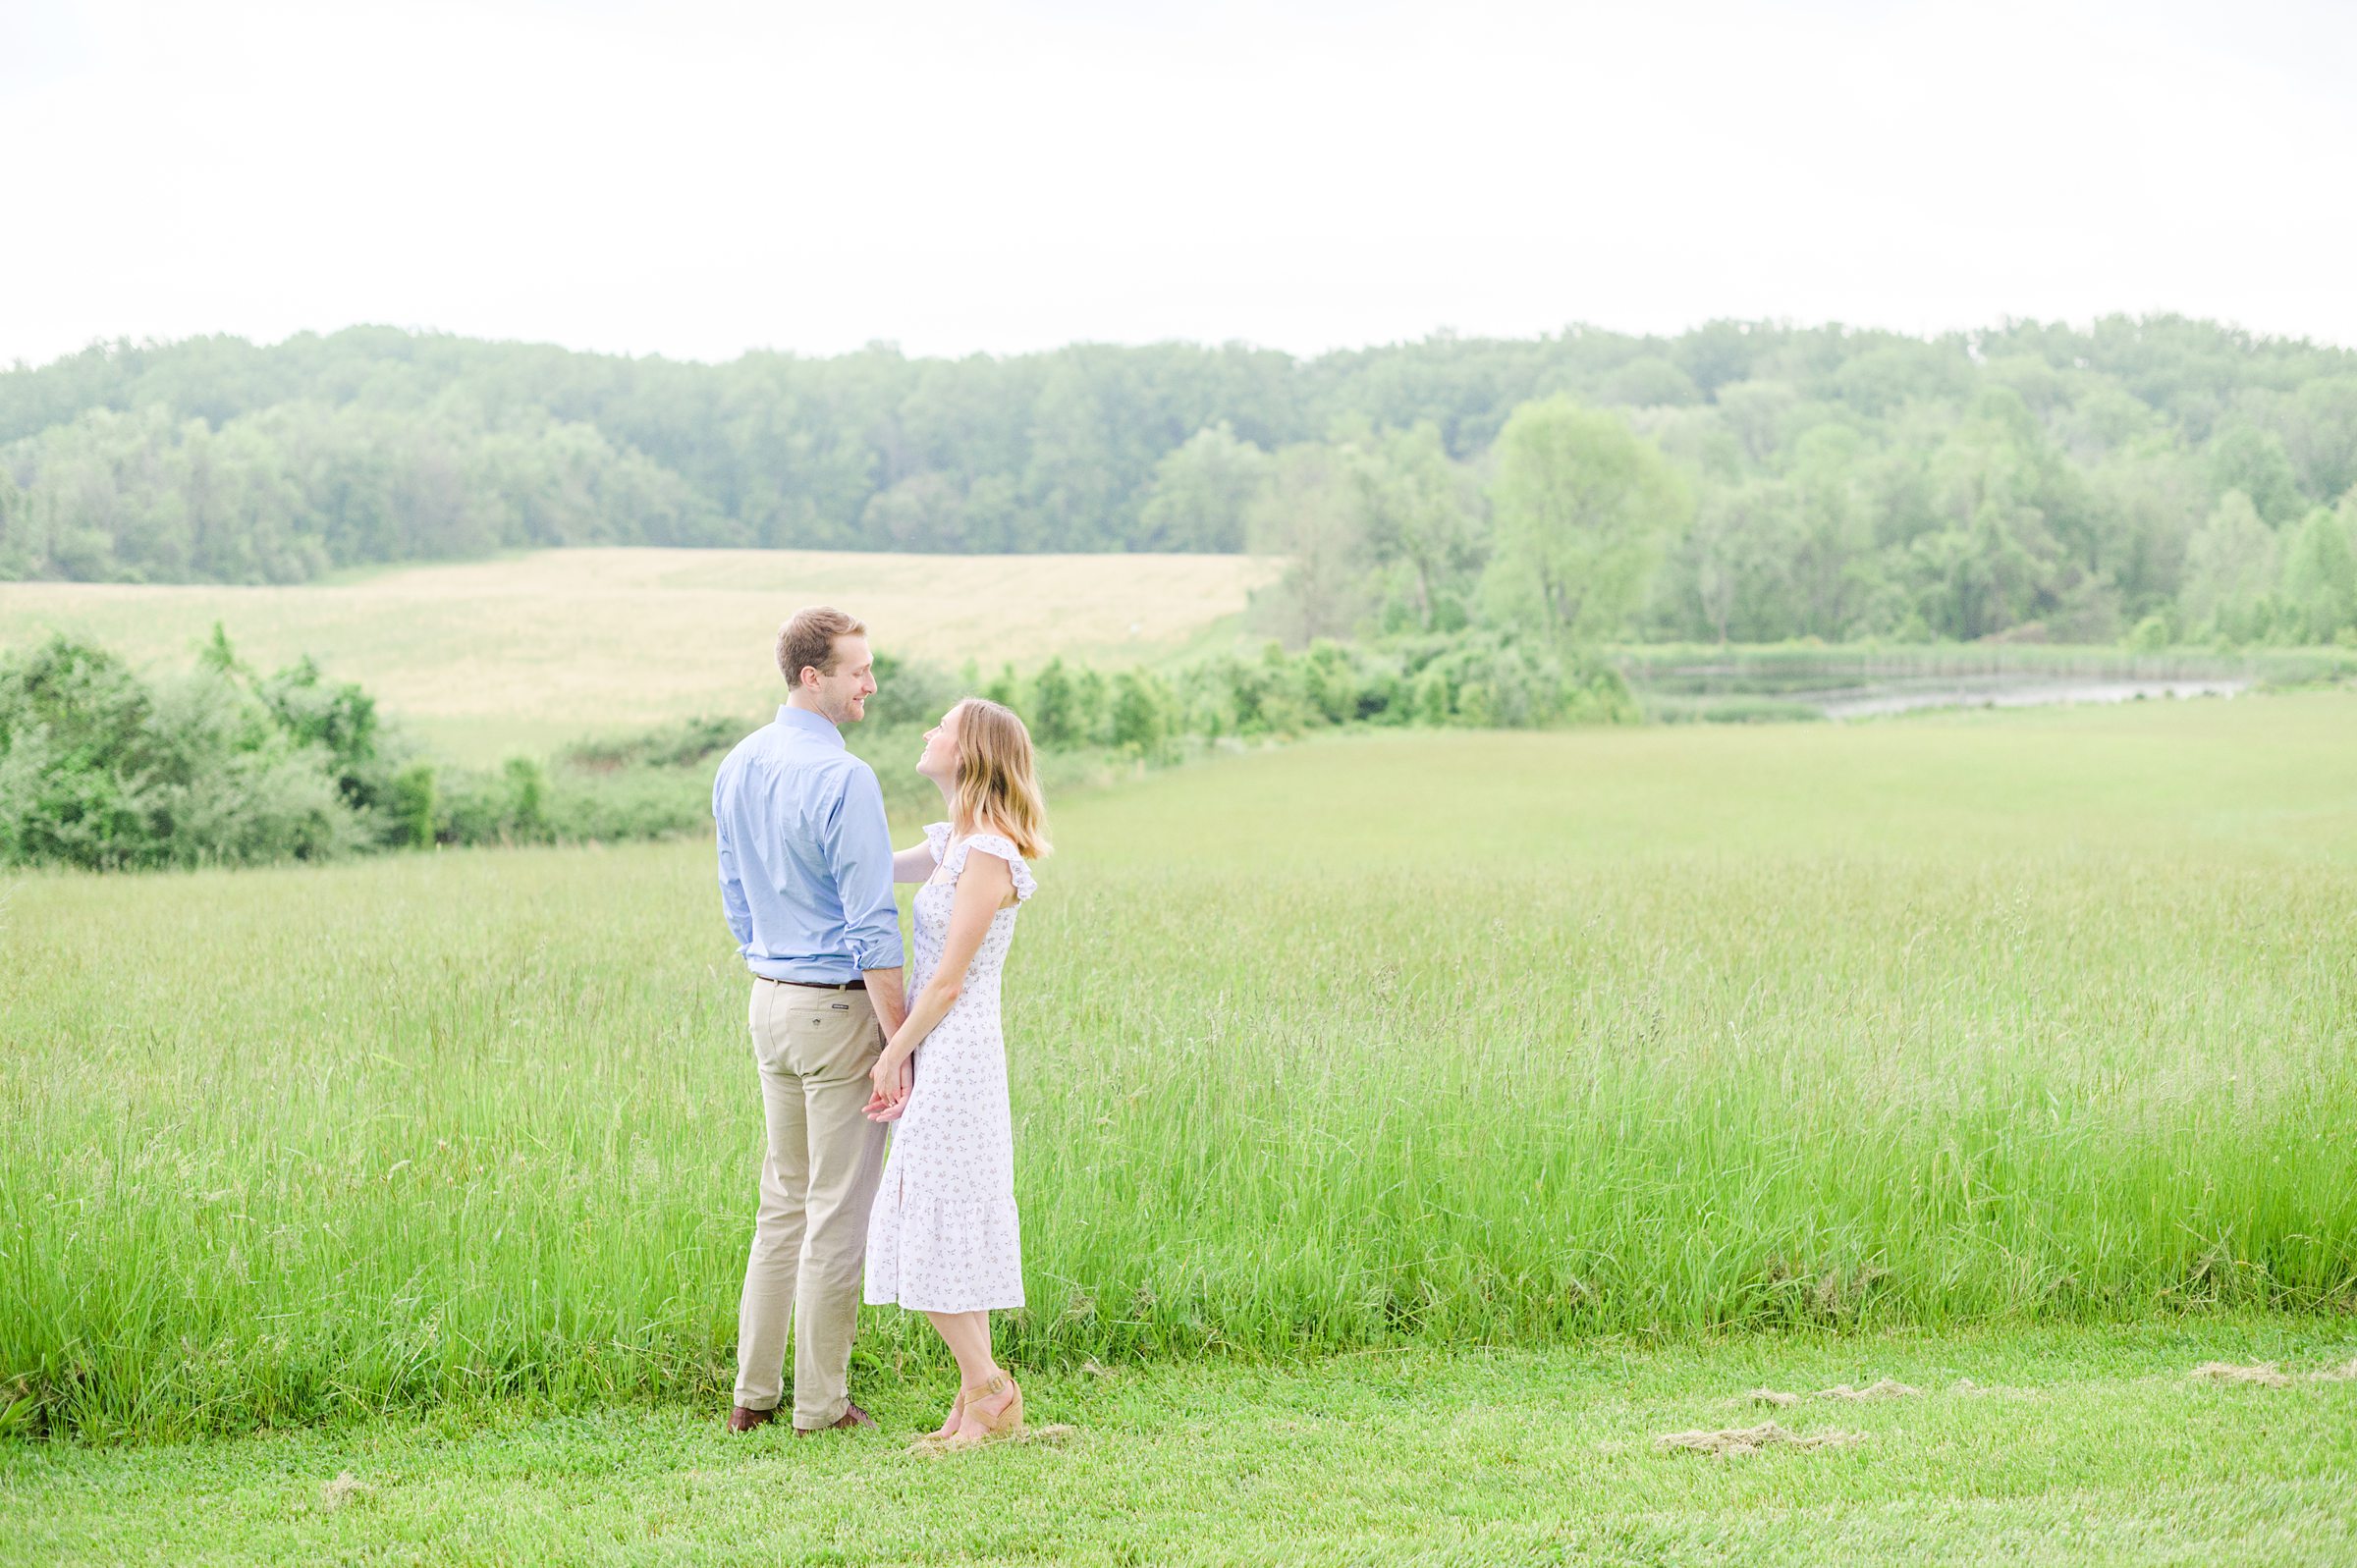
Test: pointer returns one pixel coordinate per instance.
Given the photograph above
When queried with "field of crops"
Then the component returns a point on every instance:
(1449, 1038)
(487, 658)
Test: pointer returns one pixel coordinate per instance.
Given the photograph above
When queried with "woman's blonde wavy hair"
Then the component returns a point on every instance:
(997, 787)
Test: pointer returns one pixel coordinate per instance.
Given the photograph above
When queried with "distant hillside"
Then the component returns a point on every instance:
(1846, 482)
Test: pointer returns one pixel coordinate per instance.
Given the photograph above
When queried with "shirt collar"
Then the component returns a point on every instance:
(817, 726)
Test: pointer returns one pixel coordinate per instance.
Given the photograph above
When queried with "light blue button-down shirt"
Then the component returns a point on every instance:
(805, 857)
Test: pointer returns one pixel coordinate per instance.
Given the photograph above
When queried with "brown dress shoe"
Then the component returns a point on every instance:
(853, 1417)
(744, 1420)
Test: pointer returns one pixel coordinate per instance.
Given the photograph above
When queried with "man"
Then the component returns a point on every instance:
(806, 878)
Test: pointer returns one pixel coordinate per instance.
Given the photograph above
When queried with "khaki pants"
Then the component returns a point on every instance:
(815, 1048)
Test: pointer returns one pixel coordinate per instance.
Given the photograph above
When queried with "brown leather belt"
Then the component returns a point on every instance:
(859, 984)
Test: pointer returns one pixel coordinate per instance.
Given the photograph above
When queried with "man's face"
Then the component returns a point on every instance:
(842, 696)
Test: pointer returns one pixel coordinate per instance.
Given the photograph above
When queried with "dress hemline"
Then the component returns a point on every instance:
(1001, 1305)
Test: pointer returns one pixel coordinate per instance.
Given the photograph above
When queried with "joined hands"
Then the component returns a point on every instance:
(894, 1075)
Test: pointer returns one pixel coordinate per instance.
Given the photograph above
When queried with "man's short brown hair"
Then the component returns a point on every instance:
(808, 641)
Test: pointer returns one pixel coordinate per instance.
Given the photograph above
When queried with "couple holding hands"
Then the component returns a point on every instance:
(848, 1057)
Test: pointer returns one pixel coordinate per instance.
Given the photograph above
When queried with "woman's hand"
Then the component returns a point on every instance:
(988, 882)
(894, 1075)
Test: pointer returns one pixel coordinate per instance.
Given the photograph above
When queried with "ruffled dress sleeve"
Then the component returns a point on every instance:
(990, 843)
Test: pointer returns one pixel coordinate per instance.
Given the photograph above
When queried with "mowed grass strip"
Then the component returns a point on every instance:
(486, 657)
(2021, 1447)
(1406, 1039)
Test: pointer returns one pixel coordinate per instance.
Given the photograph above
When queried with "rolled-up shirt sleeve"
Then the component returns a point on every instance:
(860, 851)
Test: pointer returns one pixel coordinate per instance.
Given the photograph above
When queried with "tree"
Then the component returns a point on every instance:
(1308, 515)
(2229, 569)
(2321, 436)
(1736, 564)
(1582, 503)
(2147, 504)
(1716, 352)
(2246, 458)
(18, 550)
(1418, 515)
(2320, 575)
(1833, 533)
(1756, 413)
(1885, 378)
(924, 511)
(1202, 493)
(1650, 382)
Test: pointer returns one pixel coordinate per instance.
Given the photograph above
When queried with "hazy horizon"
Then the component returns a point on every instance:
(1848, 327)
(704, 181)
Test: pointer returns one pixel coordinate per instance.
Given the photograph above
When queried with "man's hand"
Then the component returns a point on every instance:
(894, 1076)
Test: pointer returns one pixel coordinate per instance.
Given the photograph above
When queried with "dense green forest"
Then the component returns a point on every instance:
(2159, 479)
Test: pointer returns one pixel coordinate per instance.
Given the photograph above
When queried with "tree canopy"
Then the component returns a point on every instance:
(1838, 483)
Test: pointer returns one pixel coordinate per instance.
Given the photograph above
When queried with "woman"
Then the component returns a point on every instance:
(942, 1237)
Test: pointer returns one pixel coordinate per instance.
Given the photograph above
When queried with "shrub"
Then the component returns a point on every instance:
(909, 694)
(98, 770)
(1143, 714)
(674, 745)
(411, 805)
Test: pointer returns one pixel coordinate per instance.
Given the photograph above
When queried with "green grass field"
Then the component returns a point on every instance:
(1479, 1038)
(486, 659)
(2060, 1446)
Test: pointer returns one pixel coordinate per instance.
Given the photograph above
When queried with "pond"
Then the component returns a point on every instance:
(1738, 690)
(2003, 691)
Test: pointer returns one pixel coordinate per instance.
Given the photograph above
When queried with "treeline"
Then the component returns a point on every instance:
(222, 765)
(1596, 524)
(298, 489)
(2162, 478)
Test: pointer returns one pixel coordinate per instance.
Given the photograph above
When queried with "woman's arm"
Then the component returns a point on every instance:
(986, 883)
(914, 863)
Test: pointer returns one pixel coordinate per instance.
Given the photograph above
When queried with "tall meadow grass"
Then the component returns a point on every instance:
(1495, 1038)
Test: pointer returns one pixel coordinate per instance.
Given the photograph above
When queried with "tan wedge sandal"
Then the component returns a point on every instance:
(974, 1429)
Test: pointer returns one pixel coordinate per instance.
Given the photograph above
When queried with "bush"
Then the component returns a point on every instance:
(1330, 681)
(1485, 680)
(412, 805)
(1053, 712)
(527, 797)
(674, 745)
(98, 770)
(1144, 714)
(637, 803)
(907, 694)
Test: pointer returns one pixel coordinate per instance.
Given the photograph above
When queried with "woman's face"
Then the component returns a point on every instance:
(940, 760)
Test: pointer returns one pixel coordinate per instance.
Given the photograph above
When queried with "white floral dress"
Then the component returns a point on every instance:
(943, 1235)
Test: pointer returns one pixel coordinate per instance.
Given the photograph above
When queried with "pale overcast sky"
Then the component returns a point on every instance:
(699, 178)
